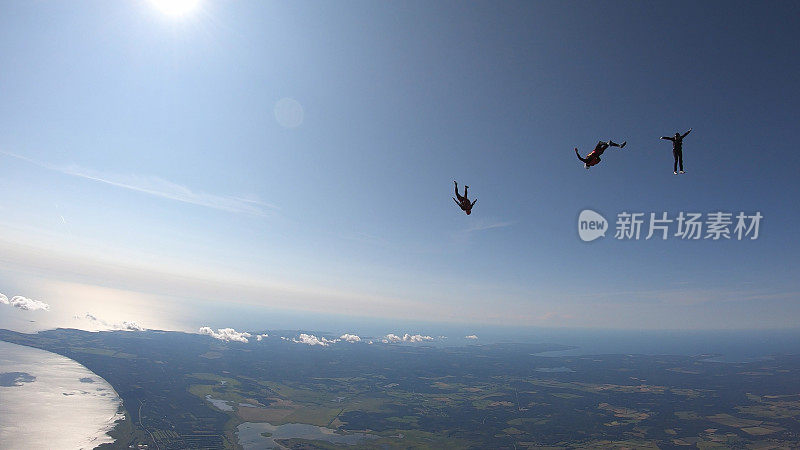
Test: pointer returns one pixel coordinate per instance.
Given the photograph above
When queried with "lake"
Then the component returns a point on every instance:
(252, 435)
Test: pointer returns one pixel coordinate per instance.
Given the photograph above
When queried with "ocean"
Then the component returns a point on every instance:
(50, 401)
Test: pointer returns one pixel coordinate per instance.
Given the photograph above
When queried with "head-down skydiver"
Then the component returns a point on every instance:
(463, 202)
(677, 149)
(594, 157)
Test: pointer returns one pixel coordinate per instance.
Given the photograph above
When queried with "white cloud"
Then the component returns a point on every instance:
(471, 336)
(132, 326)
(350, 337)
(259, 337)
(416, 338)
(392, 338)
(225, 334)
(24, 303)
(310, 339)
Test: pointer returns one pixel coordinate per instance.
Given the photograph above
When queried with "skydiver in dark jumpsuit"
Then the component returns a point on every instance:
(463, 202)
(677, 149)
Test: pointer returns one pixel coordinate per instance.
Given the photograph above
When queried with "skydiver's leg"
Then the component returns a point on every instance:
(675, 166)
(680, 159)
(465, 191)
(614, 144)
(459, 196)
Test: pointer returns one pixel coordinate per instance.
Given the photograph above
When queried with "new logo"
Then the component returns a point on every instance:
(591, 225)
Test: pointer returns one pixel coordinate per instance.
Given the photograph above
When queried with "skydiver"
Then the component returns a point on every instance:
(463, 202)
(594, 157)
(677, 149)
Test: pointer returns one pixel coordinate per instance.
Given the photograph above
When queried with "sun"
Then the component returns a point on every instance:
(175, 7)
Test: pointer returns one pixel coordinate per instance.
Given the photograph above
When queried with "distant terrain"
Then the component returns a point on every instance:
(192, 391)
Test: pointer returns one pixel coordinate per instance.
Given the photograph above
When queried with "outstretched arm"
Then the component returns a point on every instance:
(669, 138)
(473, 203)
(579, 156)
(684, 134)
(454, 199)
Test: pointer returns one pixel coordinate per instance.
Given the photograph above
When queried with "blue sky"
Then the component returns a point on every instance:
(143, 159)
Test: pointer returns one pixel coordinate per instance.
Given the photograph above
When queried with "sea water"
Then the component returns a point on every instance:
(50, 401)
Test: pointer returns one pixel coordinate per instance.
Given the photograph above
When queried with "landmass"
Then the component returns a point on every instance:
(399, 396)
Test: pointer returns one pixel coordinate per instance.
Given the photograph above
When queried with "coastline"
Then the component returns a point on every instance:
(121, 431)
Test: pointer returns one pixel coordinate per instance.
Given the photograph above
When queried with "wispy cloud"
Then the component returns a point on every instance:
(24, 303)
(159, 187)
(550, 316)
(471, 336)
(124, 326)
(484, 225)
(477, 226)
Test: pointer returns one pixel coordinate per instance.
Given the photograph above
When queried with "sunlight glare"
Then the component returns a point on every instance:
(176, 7)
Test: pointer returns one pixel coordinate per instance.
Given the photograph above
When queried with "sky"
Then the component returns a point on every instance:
(291, 164)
